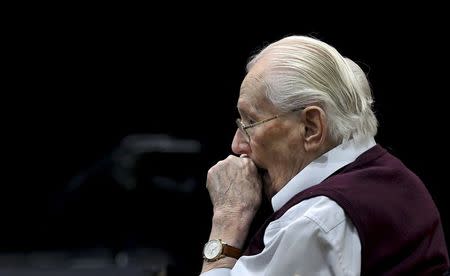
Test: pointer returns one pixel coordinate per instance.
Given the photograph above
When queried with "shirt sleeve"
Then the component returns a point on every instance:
(312, 238)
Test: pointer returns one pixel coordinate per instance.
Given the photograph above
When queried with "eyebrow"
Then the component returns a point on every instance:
(249, 109)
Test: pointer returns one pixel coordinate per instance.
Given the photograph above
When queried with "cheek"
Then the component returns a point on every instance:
(274, 138)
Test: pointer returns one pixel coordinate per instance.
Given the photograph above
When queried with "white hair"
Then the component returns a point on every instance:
(302, 71)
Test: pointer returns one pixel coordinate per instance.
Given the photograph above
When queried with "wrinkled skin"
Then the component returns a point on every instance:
(234, 185)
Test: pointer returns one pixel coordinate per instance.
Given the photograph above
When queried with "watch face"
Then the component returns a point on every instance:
(213, 249)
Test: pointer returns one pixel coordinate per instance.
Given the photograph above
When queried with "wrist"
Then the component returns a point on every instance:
(230, 228)
(217, 253)
(232, 216)
(226, 262)
(216, 249)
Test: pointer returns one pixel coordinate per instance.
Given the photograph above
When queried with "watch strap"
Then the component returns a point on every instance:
(231, 251)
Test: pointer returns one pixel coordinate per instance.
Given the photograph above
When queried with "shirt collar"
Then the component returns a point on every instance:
(321, 168)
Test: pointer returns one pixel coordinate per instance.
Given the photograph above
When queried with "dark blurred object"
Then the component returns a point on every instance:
(95, 262)
(139, 195)
(157, 159)
(160, 160)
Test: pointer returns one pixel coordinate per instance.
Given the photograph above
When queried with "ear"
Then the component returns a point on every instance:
(315, 128)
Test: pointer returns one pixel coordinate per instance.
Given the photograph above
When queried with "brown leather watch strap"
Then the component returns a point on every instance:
(231, 251)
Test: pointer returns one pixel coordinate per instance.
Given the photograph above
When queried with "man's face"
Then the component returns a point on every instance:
(274, 146)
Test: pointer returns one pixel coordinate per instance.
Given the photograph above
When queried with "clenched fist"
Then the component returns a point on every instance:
(235, 187)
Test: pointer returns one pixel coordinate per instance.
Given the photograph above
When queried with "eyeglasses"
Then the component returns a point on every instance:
(243, 128)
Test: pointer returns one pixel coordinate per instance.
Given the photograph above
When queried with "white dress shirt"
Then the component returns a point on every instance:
(314, 237)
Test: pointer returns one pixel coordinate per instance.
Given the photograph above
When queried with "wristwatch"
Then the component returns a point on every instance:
(217, 249)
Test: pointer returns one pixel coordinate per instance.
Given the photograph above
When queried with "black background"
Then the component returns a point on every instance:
(80, 83)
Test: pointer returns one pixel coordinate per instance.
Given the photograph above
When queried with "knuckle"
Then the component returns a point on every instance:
(212, 171)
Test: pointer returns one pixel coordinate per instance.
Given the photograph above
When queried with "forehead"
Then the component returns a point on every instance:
(252, 96)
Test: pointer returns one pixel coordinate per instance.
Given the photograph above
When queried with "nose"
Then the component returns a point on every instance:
(240, 145)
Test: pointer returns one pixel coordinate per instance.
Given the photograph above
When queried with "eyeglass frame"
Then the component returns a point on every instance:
(243, 128)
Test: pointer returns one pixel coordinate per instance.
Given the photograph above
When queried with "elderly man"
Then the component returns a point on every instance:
(342, 204)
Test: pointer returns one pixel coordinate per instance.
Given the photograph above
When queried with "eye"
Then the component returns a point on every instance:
(247, 121)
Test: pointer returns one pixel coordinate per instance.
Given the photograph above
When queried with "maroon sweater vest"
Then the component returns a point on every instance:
(397, 221)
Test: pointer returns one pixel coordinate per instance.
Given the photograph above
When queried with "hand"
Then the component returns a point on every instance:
(235, 187)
